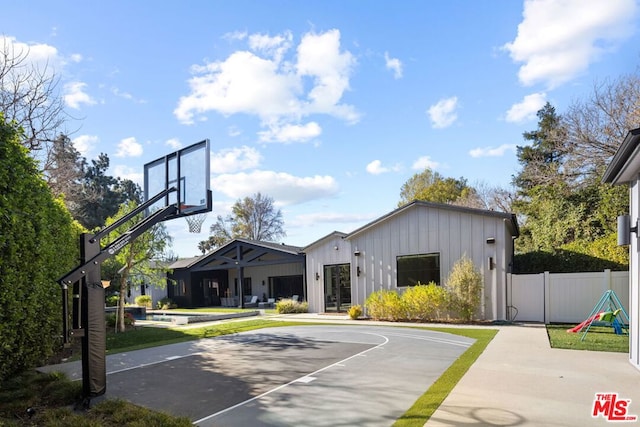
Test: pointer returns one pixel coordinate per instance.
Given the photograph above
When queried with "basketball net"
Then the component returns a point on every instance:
(195, 222)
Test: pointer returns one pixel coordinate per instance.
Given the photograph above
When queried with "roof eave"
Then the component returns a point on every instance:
(625, 163)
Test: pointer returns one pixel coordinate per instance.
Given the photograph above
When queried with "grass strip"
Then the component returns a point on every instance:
(427, 404)
(599, 338)
(144, 337)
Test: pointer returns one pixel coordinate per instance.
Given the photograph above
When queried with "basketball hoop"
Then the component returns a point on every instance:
(195, 222)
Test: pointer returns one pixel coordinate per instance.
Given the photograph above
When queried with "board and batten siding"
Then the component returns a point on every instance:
(418, 228)
(426, 230)
(330, 250)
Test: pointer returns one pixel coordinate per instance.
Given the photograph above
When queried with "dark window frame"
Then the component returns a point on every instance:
(409, 270)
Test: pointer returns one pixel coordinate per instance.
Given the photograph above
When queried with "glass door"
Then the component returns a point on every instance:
(337, 287)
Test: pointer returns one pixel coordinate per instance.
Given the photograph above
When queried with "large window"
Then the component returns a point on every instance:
(423, 268)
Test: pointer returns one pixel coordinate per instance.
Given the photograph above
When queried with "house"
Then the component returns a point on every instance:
(265, 269)
(418, 242)
(624, 168)
(139, 284)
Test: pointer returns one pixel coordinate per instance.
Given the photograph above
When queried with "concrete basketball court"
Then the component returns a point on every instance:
(305, 375)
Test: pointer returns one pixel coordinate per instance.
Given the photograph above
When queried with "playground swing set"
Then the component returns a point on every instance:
(608, 312)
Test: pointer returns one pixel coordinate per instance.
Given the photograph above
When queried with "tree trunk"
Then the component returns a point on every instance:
(120, 326)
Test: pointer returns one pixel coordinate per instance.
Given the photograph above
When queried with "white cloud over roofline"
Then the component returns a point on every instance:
(284, 188)
(558, 40)
(262, 82)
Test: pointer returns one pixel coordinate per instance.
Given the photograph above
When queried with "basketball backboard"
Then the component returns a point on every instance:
(186, 170)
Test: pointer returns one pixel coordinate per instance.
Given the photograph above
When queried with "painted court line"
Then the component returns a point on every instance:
(433, 339)
(301, 379)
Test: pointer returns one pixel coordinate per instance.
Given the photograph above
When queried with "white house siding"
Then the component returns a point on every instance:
(424, 230)
(323, 253)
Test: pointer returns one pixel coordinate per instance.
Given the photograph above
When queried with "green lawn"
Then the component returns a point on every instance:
(599, 338)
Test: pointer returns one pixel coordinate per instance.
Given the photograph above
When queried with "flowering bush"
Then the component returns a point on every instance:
(355, 311)
(286, 306)
(425, 302)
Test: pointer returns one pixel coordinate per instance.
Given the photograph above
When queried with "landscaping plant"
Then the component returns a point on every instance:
(286, 306)
(465, 288)
(425, 302)
(355, 311)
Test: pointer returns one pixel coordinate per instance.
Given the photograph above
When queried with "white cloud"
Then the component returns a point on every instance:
(85, 144)
(235, 35)
(557, 40)
(492, 151)
(43, 57)
(234, 131)
(394, 65)
(274, 47)
(309, 220)
(126, 172)
(285, 189)
(375, 168)
(263, 84)
(174, 143)
(235, 159)
(127, 96)
(128, 147)
(423, 163)
(291, 133)
(443, 113)
(319, 56)
(75, 95)
(527, 109)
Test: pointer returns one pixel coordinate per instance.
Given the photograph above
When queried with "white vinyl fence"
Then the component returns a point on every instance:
(562, 297)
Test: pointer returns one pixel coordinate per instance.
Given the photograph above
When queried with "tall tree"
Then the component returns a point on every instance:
(542, 160)
(433, 187)
(65, 171)
(102, 194)
(136, 257)
(252, 218)
(597, 124)
(29, 96)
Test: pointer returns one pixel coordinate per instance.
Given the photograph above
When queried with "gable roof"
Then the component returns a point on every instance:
(331, 235)
(625, 163)
(511, 218)
(242, 253)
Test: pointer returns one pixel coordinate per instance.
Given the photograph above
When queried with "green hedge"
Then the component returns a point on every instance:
(563, 261)
(38, 244)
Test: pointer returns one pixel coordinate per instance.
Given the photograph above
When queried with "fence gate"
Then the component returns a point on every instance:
(527, 297)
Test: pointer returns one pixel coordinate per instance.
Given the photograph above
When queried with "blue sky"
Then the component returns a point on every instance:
(328, 107)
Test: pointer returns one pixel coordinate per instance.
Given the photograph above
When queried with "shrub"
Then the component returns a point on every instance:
(129, 320)
(465, 288)
(39, 243)
(355, 311)
(143, 301)
(286, 306)
(425, 302)
(165, 304)
(112, 300)
(385, 305)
